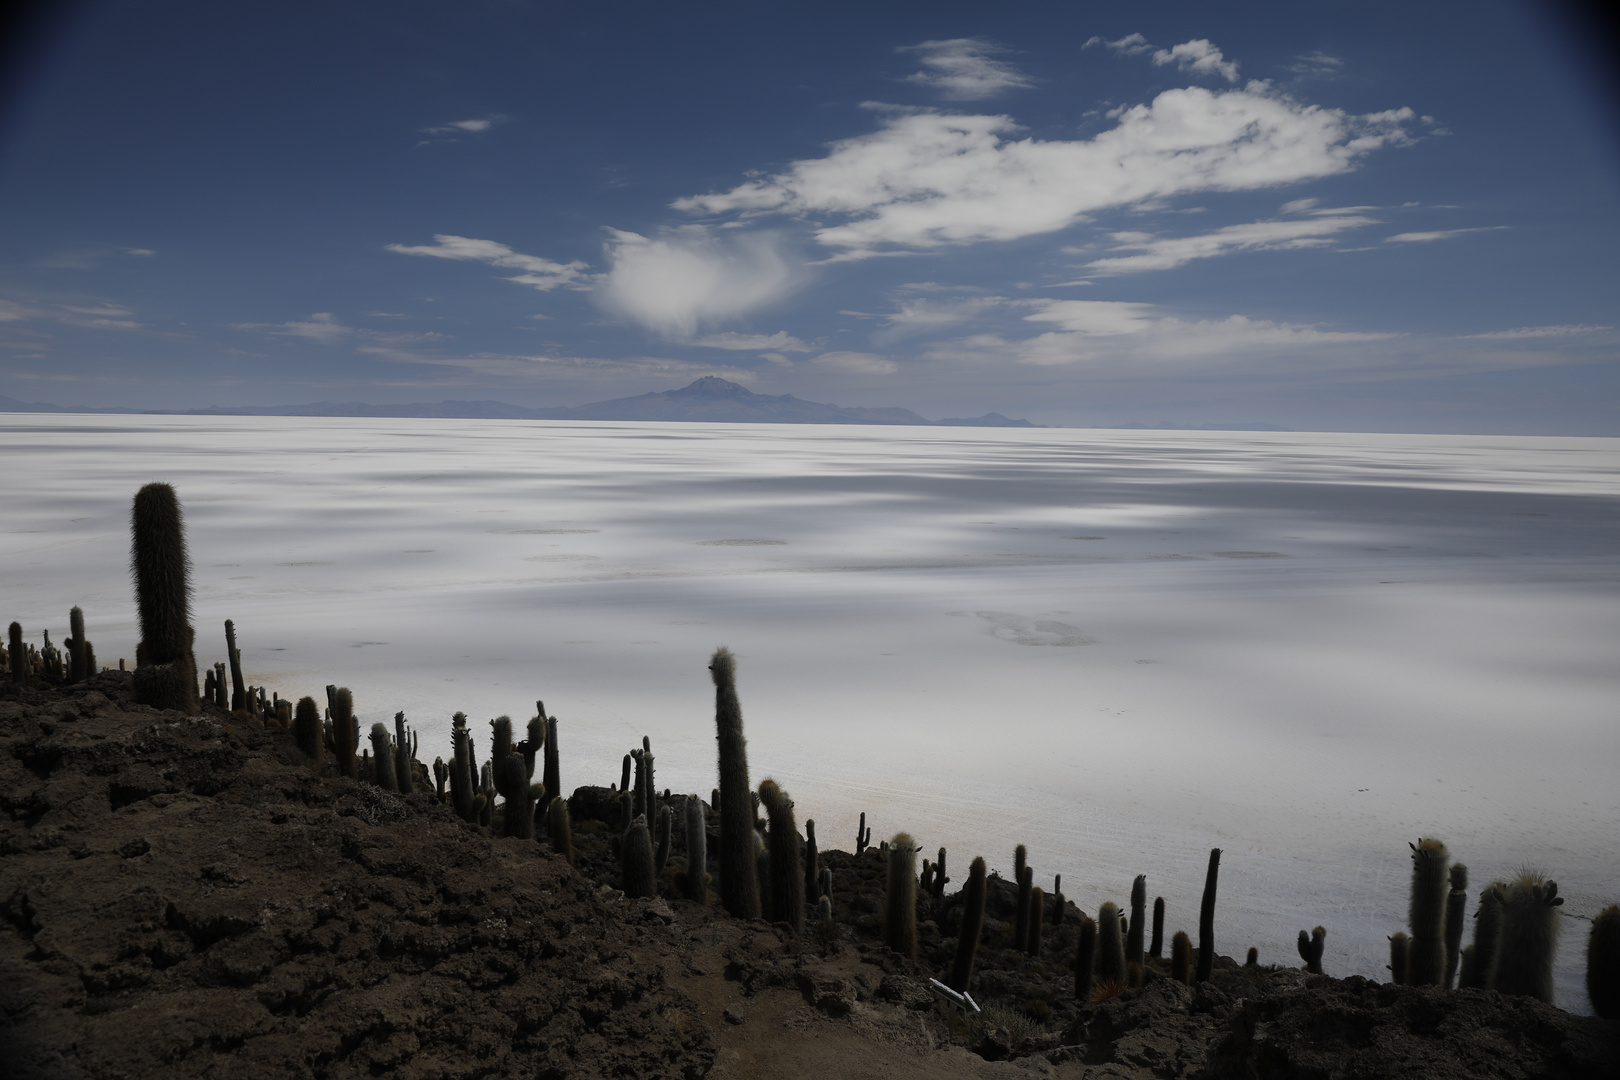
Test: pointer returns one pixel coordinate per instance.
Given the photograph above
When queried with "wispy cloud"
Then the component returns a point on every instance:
(1523, 332)
(1129, 45)
(856, 363)
(781, 341)
(1200, 57)
(1316, 63)
(1437, 234)
(1164, 253)
(927, 179)
(465, 127)
(540, 273)
(965, 69)
(99, 316)
(325, 328)
(691, 277)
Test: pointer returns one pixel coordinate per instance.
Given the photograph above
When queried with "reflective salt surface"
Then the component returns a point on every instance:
(1119, 648)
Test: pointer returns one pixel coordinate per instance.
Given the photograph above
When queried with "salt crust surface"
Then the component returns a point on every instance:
(1119, 648)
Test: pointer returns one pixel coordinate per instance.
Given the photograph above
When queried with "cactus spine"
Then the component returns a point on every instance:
(694, 881)
(382, 758)
(1603, 964)
(1530, 924)
(165, 670)
(1037, 912)
(1310, 949)
(1399, 950)
(1138, 923)
(1456, 912)
(1206, 918)
(1426, 952)
(739, 884)
(560, 829)
(1110, 945)
(967, 940)
(1181, 957)
(636, 860)
(345, 731)
(900, 897)
(1085, 960)
(309, 732)
(1021, 878)
(787, 869)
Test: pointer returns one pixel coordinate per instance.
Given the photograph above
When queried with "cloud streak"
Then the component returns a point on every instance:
(965, 69)
(536, 272)
(1165, 253)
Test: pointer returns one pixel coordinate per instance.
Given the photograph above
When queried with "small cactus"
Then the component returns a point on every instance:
(1310, 949)
(513, 784)
(309, 732)
(1023, 879)
(940, 880)
(1206, 919)
(812, 862)
(1487, 935)
(1085, 960)
(1138, 923)
(666, 824)
(1181, 957)
(463, 785)
(1037, 912)
(863, 835)
(1399, 950)
(967, 940)
(694, 880)
(1057, 902)
(404, 754)
(382, 758)
(900, 897)
(636, 861)
(560, 829)
(1157, 949)
(1250, 961)
(1529, 940)
(1456, 913)
(345, 731)
(77, 672)
(1110, 945)
(233, 656)
(1603, 963)
(787, 867)
(17, 654)
(165, 670)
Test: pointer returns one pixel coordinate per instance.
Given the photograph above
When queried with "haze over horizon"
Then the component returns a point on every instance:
(1371, 218)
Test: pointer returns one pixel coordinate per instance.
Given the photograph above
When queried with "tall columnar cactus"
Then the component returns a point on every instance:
(513, 784)
(694, 880)
(1085, 960)
(900, 896)
(1603, 963)
(309, 731)
(1057, 902)
(666, 826)
(1529, 941)
(1206, 919)
(1110, 945)
(222, 696)
(967, 939)
(382, 758)
(1426, 953)
(404, 755)
(1037, 913)
(940, 880)
(551, 775)
(1021, 878)
(560, 829)
(165, 670)
(1487, 936)
(533, 742)
(345, 731)
(1181, 957)
(649, 784)
(75, 644)
(1156, 950)
(787, 867)
(1456, 915)
(638, 789)
(1310, 949)
(500, 738)
(863, 835)
(462, 788)
(233, 656)
(624, 775)
(441, 777)
(739, 882)
(636, 861)
(17, 654)
(812, 863)
(1138, 923)
(1400, 951)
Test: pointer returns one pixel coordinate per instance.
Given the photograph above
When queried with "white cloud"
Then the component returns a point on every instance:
(856, 363)
(691, 277)
(1540, 332)
(926, 179)
(323, 326)
(923, 315)
(1198, 56)
(140, 252)
(781, 341)
(1438, 234)
(965, 69)
(463, 127)
(100, 317)
(542, 274)
(1129, 45)
(1163, 253)
(1316, 63)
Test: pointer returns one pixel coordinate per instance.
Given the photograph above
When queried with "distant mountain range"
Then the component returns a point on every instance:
(710, 400)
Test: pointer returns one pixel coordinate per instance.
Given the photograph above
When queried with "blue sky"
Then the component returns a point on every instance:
(1380, 217)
